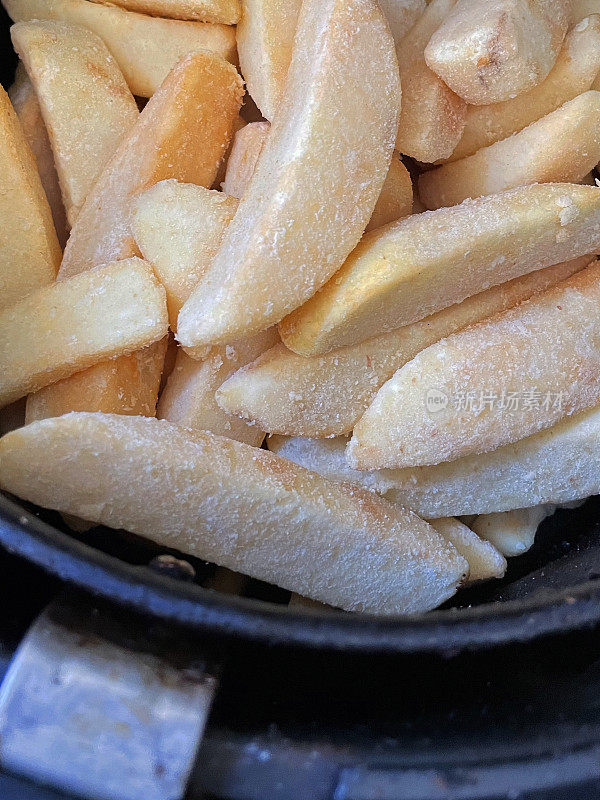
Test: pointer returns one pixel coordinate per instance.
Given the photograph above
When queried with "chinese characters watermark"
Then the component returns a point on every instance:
(474, 401)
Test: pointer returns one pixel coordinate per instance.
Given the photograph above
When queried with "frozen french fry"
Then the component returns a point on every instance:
(189, 396)
(145, 48)
(327, 458)
(239, 123)
(316, 182)
(182, 133)
(226, 12)
(238, 506)
(485, 560)
(85, 102)
(178, 228)
(432, 117)
(491, 384)
(29, 249)
(396, 197)
(265, 36)
(247, 147)
(402, 15)
(491, 50)
(22, 96)
(512, 532)
(326, 395)
(70, 325)
(574, 72)
(426, 262)
(559, 465)
(125, 385)
(561, 147)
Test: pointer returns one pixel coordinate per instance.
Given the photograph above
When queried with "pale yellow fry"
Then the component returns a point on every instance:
(426, 262)
(22, 96)
(547, 349)
(29, 249)
(247, 147)
(485, 561)
(189, 397)
(396, 197)
(145, 48)
(512, 532)
(557, 465)
(561, 147)
(327, 458)
(402, 15)
(182, 133)
(235, 505)
(239, 123)
(326, 395)
(86, 104)
(70, 325)
(178, 228)
(125, 385)
(316, 182)
(574, 72)
(491, 50)
(432, 117)
(265, 37)
(226, 12)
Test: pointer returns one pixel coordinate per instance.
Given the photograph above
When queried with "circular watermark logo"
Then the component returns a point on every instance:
(436, 400)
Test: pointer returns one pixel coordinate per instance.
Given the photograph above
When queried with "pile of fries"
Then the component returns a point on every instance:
(365, 229)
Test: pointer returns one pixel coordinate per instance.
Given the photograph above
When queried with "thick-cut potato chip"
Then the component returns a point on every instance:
(574, 72)
(248, 144)
(562, 147)
(29, 249)
(70, 325)
(22, 96)
(182, 133)
(432, 117)
(86, 104)
(178, 228)
(125, 385)
(145, 48)
(426, 262)
(491, 384)
(316, 182)
(265, 36)
(189, 396)
(396, 197)
(238, 506)
(326, 395)
(226, 12)
(557, 465)
(491, 50)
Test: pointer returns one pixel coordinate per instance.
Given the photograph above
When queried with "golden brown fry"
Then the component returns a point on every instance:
(235, 505)
(70, 325)
(265, 36)
(561, 147)
(326, 395)
(145, 48)
(574, 72)
(22, 96)
(545, 353)
(396, 198)
(86, 104)
(189, 397)
(491, 50)
(247, 147)
(29, 249)
(317, 180)
(426, 262)
(432, 117)
(125, 385)
(226, 12)
(178, 228)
